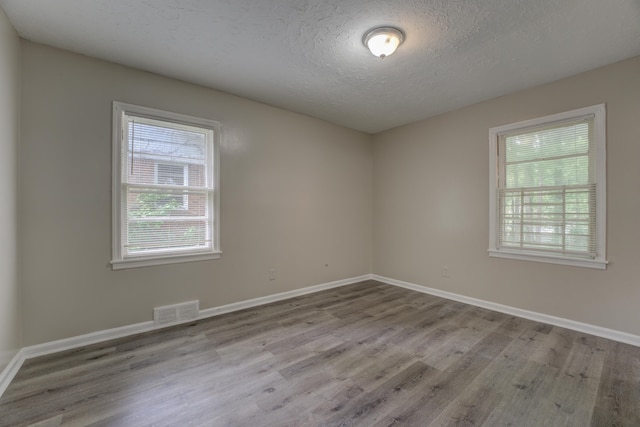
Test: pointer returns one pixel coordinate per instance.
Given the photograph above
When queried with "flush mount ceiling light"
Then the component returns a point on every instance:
(383, 41)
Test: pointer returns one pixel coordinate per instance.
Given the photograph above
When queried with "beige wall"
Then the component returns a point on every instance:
(296, 195)
(431, 196)
(9, 107)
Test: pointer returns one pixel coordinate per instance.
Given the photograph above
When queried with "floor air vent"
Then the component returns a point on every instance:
(176, 313)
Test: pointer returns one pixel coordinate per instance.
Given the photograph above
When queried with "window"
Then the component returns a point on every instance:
(548, 189)
(165, 187)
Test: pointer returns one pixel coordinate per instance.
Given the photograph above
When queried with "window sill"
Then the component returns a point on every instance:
(122, 264)
(528, 256)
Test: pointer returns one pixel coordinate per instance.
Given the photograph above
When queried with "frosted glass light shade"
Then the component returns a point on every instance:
(383, 41)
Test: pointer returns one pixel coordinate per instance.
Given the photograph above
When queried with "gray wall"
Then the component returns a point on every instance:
(296, 195)
(431, 193)
(9, 107)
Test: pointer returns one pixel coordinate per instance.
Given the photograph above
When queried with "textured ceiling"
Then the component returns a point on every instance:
(307, 55)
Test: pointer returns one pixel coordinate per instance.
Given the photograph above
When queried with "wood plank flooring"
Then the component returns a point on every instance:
(367, 354)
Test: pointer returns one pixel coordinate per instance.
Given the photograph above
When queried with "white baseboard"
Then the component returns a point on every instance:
(531, 315)
(236, 306)
(11, 370)
(108, 334)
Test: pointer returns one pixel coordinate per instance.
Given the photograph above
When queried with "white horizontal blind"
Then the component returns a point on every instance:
(167, 187)
(547, 189)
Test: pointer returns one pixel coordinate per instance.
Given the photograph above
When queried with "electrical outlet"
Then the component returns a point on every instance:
(272, 274)
(445, 271)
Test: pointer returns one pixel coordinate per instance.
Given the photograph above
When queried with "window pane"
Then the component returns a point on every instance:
(171, 174)
(154, 234)
(567, 140)
(154, 139)
(559, 220)
(548, 173)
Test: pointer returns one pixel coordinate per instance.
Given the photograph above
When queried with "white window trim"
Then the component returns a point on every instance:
(599, 262)
(118, 261)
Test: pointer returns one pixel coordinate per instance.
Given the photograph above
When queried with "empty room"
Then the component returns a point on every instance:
(319, 213)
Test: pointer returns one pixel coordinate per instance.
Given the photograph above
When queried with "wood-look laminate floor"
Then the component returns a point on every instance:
(367, 354)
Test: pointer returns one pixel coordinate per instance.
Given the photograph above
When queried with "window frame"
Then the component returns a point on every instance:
(599, 164)
(121, 261)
